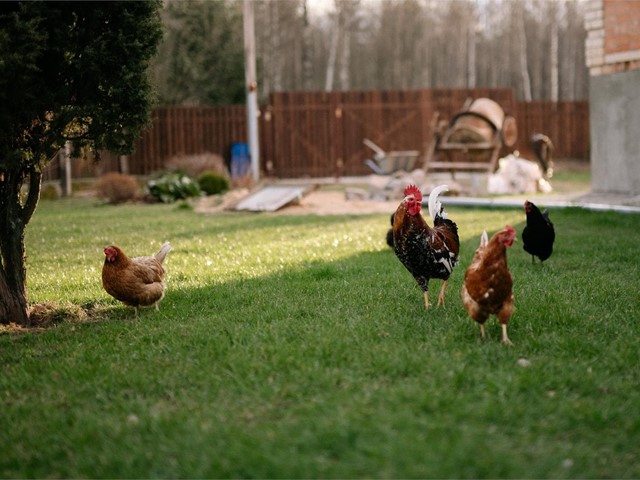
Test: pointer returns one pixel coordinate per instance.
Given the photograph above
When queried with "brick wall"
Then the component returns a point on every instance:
(613, 36)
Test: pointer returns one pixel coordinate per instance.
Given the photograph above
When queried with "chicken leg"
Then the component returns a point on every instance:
(505, 338)
(426, 299)
(483, 333)
(441, 295)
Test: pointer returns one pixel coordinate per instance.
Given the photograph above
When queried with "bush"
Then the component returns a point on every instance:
(211, 183)
(173, 186)
(195, 165)
(49, 192)
(116, 187)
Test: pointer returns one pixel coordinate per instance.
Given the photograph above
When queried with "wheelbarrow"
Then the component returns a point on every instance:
(385, 163)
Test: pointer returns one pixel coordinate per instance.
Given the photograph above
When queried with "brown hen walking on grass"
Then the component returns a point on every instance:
(138, 281)
(488, 287)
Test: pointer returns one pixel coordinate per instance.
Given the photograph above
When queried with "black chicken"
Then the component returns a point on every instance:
(538, 236)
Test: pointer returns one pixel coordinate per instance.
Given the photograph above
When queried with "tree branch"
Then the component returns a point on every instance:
(35, 177)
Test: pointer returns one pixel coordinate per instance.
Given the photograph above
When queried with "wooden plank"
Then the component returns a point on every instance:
(465, 147)
(459, 166)
(271, 198)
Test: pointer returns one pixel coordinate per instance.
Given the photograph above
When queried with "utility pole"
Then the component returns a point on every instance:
(252, 87)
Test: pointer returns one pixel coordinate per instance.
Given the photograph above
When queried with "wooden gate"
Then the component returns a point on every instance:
(320, 134)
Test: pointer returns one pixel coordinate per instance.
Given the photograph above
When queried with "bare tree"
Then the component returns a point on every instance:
(521, 36)
(553, 54)
(534, 46)
(307, 60)
(471, 50)
(574, 73)
(333, 49)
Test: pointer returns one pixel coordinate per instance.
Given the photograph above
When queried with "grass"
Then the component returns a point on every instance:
(571, 177)
(291, 347)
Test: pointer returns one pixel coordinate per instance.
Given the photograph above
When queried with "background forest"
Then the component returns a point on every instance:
(533, 46)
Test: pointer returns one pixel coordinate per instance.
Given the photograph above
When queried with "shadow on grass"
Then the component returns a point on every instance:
(367, 285)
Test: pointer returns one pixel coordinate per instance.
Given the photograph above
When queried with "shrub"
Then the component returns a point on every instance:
(211, 183)
(49, 192)
(173, 186)
(117, 187)
(195, 165)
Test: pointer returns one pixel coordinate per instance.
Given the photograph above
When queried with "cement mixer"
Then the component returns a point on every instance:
(473, 138)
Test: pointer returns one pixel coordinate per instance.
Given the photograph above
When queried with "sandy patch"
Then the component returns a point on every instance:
(316, 201)
(321, 202)
(363, 195)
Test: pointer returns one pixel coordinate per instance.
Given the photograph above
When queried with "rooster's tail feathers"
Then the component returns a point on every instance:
(484, 239)
(166, 248)
(435, 207)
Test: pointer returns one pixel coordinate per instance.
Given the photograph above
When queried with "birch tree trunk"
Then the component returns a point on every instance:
(331, 62)
(522, 41)
(336, 33)
(307, 61)
(554, 54)
(471, 54)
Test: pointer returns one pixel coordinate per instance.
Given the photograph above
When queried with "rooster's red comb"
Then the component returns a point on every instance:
(510, 229)
(413, 190)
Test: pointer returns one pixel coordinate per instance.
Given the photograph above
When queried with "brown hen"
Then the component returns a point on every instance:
(138, 281)
(488, 287)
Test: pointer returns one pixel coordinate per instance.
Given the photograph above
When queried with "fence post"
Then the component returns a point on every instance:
(123, 161)
(66, 168)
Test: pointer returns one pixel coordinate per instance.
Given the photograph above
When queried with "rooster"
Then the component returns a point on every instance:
(390, 233)
(134, 281)
(426, 252)
(488, 287)
(538, 235)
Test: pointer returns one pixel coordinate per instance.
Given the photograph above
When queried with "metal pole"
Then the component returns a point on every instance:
(252, 87)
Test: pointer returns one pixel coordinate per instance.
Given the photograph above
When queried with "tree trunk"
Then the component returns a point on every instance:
(524, 71)
(471, 51)
(331, 63)
(307, 48)
(13, 299)
(345, 61)
(14, 216)
(555, 88)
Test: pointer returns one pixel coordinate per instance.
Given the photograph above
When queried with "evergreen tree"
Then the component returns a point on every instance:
(70, 71)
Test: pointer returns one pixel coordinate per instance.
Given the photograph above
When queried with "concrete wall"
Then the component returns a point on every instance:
(613, 56)
(615, 132)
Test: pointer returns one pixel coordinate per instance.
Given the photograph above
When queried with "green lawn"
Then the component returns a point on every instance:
(299, 347)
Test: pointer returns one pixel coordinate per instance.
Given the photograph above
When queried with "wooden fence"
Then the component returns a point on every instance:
(314, 134)
(565, 123)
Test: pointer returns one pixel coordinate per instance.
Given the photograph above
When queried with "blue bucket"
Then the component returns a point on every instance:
(240, 159)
